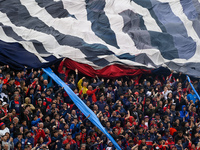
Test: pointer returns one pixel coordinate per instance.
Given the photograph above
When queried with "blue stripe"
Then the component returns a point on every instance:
(100, 22)
(81, 105)
(174, 26)
(134, 26)
(13, 54)
(54, 8)
(159, 40)
(10, 33)
(191, 8)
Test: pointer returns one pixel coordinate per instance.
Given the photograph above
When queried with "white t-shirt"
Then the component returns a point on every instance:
(3, 132)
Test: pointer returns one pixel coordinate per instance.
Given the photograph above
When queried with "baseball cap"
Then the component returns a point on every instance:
(1, 124)
(136, 93)
(69, 133)
(4, 103)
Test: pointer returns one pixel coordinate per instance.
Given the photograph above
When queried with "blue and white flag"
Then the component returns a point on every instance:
(134, 33)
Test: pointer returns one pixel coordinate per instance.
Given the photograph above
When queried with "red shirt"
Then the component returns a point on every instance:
(83, 137)
(70, 141)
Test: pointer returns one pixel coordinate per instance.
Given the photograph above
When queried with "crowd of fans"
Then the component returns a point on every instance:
(142, 112)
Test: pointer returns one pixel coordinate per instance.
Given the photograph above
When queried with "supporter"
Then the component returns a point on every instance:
(140, 112)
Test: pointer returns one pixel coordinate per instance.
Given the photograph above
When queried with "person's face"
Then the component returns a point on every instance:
(102, 97)
(16, 98)
(69, 137)
(29, 135)
(114, 113)
(152, 130)
(88, 140)
(184, 108)
(15, 120)
(56, 134)
(41, 140)
(84, 130)
(19, 137)
(150, 106)
(180, 134)
(5, 138)
(83, 147)
(179, 142)
(31, 91)
(119, 142)
(90, 87)
(35, 118)
(116, 131)
(118, 124)
(41, 125)
(85, 84)
(143, 141)
(167, 133)
(24, 123)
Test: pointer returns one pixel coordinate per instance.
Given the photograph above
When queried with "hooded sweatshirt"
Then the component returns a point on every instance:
(184, 113)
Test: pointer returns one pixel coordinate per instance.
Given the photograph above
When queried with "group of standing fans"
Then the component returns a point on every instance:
(143, 112)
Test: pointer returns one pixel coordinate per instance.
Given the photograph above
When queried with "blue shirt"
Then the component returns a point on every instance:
(192, 97)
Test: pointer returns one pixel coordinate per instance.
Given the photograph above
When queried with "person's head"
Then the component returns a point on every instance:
(108, 124)
(2, 126)
(180, 133)
(152, 130)
(69, 136)
(140, 130)
(179, 141)
(18, 145)
(170, 138)
(55, 133)
(114, 113)
(184, 108)
(119, 142)
(35, 117)
(143, 140)
(101, 98)
(24, 122)
(167, 132)
(41, 125)
(15, 120)
(147, 101)
(115, 131)
(40, 140)
(166, 118)
(5, 138)
(95, 107)
(16, 97)
(28, 134)
(83, 147)
(118, 123)
(150, 106)
(78, 136)
(45, 82)
(146, 118)
(85, 83)
(19, 136)
(88, 139)
(90, 87)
